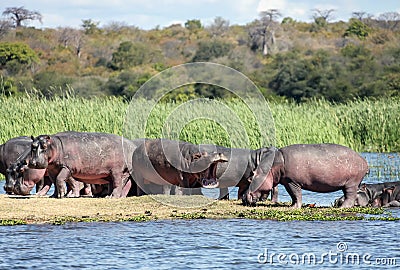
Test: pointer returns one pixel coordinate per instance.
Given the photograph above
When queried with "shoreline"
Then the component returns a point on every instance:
(23, 210)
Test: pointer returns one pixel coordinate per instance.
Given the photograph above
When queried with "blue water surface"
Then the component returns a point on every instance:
(213, 244)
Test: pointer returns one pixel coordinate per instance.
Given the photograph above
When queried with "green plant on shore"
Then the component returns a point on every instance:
(364, 125)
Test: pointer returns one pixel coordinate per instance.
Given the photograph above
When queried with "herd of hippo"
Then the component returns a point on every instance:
(101, 164)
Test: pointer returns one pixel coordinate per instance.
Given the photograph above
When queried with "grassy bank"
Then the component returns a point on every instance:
(366, 126)
(21, 211)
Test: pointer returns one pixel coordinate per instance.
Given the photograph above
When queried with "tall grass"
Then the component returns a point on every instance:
(366, 126)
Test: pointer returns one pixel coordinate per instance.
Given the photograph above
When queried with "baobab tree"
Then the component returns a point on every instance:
(322, 16)
(19, 14)
(264, 30)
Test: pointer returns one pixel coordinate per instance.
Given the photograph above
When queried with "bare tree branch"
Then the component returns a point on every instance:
(20, 14)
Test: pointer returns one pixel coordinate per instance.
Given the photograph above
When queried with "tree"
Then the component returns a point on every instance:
(361, 15)
(322, 17)
(264, 30)
(90, 26)
(16, 56)
(390, 20)
(131, 54)
(4, 27)
(193, 25)
(20, 14)
(357, 28)
(211, 49)
(16, 51)
(71, 37)
(219, 27)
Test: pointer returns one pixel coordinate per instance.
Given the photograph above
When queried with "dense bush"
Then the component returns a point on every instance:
(337, 61)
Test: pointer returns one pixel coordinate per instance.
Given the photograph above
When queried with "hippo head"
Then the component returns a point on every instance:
(362, 199)
(208, 177)
(387, 195)
(15, 174)
(264, 177)
(12, 175)
(39, 152)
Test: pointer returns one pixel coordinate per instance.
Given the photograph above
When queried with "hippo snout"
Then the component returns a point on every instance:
(8, 189)
(32, 163)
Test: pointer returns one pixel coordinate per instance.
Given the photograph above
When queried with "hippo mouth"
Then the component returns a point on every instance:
(209, 177)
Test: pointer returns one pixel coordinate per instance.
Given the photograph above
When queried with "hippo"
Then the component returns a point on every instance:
(89, 157)
(12, 151)
(314, 167)
(167, 162)
(391, 197)
(239, 168)
(369, 194)
(25, 179)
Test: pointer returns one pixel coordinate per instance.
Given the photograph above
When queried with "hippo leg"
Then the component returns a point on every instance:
(86, 190)
(126, 188)
(178, 191)
(73, 188)
(242, 191)
(274, 195)
(294, 190)
(166, 189)
(40, 185)
(350, 195)
(46, 186)
(61, 179)
(118, 183)
(223, 194)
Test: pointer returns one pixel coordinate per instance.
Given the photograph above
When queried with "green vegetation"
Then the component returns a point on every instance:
(364, 125)
(287, 59)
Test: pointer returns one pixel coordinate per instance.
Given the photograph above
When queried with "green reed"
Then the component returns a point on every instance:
(371, 126)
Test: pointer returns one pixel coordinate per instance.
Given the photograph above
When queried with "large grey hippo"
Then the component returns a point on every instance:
(314, 167)
(10, 152)
(239, 168)
(167, 162)
(93, 158)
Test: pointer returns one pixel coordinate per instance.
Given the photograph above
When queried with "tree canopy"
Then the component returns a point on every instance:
(286, 59)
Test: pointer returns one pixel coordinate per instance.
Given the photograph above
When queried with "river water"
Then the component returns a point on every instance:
(213, 244)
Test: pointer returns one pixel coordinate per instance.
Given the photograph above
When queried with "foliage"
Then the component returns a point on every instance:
(367, 125)
(358, 29)
(126, 83)
(131, 54)
(193, 25)
(291, 60)
(17, 51)
(90, 26)
(209, 50)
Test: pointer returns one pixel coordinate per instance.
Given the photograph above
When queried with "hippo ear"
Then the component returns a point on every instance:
(45, 141)
(263, 169)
